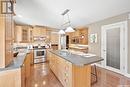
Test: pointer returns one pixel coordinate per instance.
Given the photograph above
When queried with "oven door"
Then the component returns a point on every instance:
(39, 53)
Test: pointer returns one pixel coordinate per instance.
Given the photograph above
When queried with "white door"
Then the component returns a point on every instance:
(114, 47)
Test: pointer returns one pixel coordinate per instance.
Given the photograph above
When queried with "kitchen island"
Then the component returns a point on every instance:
(72, 70)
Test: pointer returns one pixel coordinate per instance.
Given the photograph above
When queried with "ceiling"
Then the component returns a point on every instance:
(82, 12)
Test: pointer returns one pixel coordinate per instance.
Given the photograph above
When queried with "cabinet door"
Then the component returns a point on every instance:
(24, 34)
(28, 69)
(27, 65)
(48, 33)
(25, 72)
(54, 38)
(10, 78)
(36, 31)
(31, 35)
(68, 74)
(43, 31)
(18, 34)
(23, 80)
(32, 57)
(8, 40)
(84, 36)
(77, 32)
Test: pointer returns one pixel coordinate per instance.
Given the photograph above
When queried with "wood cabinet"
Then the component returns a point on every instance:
(48, 33)
(69, 74)
(23, 77)
(84, 36)
(62, 69)
(54, 38)
(23, 34)
(25, 71)
(10, 78)
(6, 39)
(80, 36)
(39, 31)
(17, 77)
(54, 46)
(42, 31)
(26, 34)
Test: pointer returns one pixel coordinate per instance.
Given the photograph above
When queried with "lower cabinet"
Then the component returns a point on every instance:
(68, 74)
(10, 78)
(62, 69)
(25, 71)
(19, 77)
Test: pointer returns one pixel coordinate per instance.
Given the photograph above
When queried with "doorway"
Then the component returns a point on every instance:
(114, 47)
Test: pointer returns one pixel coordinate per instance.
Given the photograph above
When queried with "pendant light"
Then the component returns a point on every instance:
(69, 28)
(61, 32)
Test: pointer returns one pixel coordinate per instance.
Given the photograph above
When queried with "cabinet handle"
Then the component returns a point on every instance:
(66, 68)
(66, 74)
(65, 80)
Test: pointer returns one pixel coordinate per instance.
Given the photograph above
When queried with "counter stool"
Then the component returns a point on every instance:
(93, 74)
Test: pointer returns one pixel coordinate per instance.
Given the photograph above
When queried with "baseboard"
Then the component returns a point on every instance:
(99, 65)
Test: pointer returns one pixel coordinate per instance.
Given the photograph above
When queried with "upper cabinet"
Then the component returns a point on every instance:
(23, 34)
(54, 38)
(80, 36)
(39, 31)
(83, 36)
(29, 34)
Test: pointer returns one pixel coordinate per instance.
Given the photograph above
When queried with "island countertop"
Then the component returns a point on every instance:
(75, 58)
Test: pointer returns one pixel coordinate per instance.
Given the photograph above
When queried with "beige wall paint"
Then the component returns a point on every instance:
(96, 28)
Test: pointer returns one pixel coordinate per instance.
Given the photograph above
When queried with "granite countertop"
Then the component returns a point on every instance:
(17, 62)
(76, 59)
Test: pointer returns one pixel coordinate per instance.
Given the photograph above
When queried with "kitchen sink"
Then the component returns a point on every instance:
(88, 55)
(84, 54)
(64, 53)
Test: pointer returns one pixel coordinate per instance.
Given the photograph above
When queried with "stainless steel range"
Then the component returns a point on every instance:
(39, 55)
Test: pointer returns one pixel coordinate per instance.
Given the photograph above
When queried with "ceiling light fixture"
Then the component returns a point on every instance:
(69, 28)
(61, 32)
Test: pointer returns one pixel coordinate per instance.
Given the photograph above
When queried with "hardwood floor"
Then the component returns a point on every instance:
(42, 76)
(108, 78)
